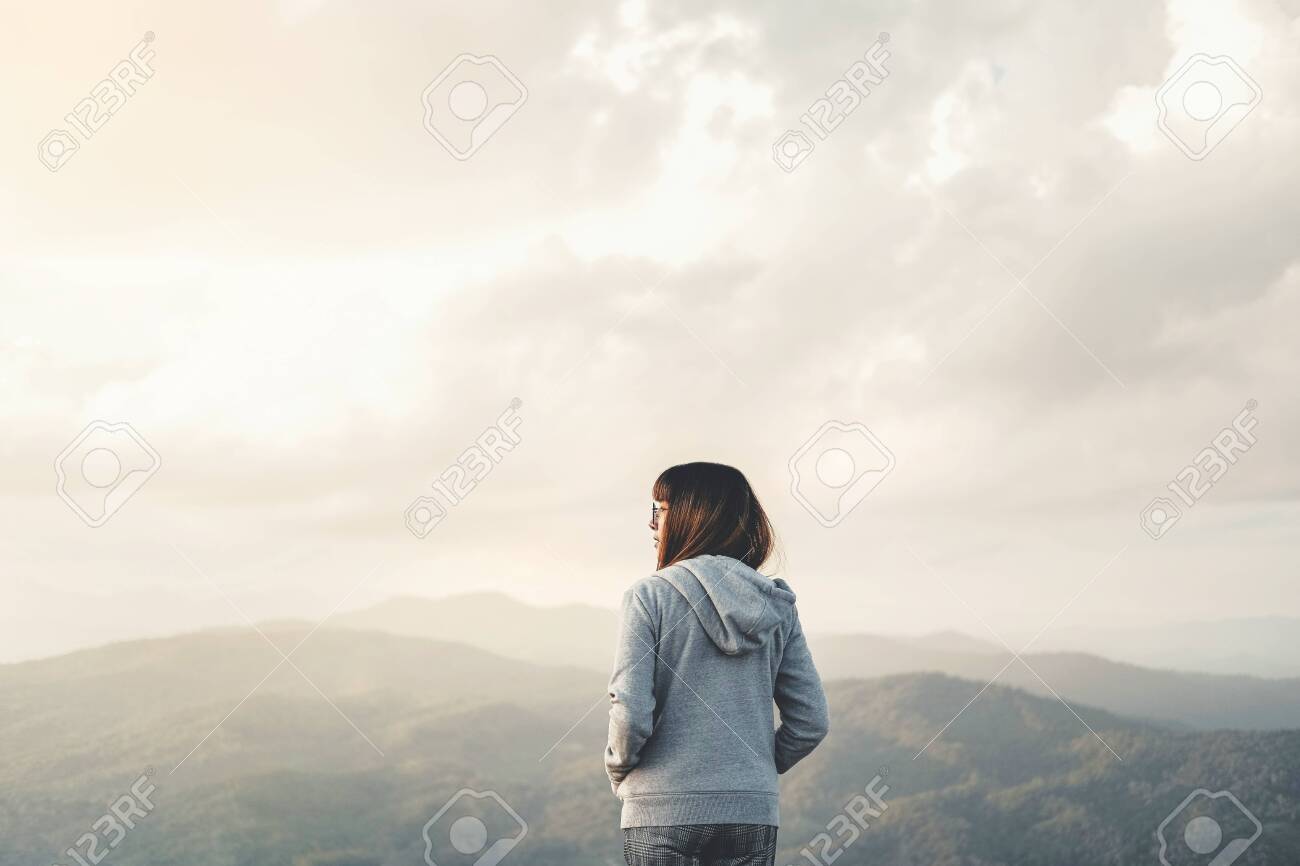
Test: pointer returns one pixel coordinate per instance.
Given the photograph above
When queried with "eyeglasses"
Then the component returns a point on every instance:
(655, 510)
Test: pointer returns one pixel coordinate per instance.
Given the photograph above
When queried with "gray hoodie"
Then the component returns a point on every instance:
(706, 646)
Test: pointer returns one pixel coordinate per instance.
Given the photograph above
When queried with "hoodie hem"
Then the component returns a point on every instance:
(705, 807)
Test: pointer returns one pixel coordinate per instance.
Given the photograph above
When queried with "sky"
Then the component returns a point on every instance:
(1041, 297)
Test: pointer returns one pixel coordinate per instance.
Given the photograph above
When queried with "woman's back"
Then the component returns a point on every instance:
(707, 645)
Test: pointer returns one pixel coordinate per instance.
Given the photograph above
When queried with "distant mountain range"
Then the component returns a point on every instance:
(582, 636)
(1196, 700)
(1262, 646)
(579, 635)
(276, 775)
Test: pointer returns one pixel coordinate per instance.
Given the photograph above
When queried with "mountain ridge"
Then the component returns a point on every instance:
(976, 775)
(584, 636)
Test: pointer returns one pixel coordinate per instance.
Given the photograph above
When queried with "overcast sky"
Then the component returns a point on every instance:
(267, 266)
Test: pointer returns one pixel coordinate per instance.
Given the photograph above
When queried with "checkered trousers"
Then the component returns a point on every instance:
(700, 845)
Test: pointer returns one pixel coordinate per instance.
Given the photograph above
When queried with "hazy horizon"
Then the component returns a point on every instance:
(1093, 641)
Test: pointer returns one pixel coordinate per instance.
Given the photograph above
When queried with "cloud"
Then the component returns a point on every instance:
(276, 274)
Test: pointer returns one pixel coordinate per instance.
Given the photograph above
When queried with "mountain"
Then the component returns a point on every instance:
(280, 777)
(948, 641)
(1198, 700)
(569, 635)
(1266, 646)
(583, 637)
(1018, 780)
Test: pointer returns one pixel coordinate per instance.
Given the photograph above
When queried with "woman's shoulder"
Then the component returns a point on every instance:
(648, 589)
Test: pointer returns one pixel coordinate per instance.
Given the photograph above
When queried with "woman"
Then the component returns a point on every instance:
(707, 644)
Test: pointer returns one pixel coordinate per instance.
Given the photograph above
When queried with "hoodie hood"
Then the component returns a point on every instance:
(738, 607)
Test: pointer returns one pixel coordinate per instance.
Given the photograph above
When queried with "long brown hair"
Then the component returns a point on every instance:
(711, 509)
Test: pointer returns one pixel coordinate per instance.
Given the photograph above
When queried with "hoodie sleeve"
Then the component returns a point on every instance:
(631, 689)
(805, 719)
